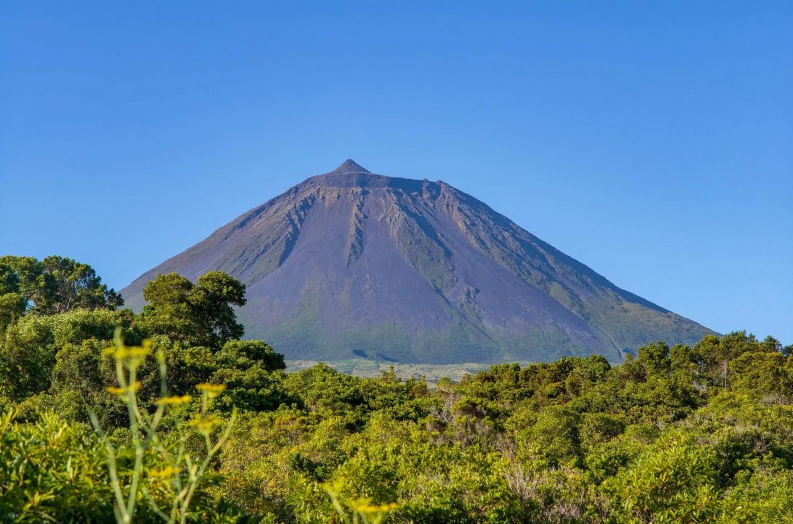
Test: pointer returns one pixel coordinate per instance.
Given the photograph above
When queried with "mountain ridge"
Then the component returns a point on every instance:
(417, 271)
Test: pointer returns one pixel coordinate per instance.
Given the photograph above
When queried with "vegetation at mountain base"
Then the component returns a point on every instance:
(374, 367)
(699, 433)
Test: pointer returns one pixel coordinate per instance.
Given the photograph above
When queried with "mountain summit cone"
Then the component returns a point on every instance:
(350, 166)
(354, 263)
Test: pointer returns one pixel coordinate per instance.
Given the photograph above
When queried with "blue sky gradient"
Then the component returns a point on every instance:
(652, 141)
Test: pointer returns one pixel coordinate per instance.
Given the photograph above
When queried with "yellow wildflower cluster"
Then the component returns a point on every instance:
(366, 507)
(174, 401)
(206, 423)
(123, 391)
(164, 473)
(211, 390)
(131, 357)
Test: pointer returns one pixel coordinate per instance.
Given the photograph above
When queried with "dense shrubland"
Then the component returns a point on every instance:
(680, 434)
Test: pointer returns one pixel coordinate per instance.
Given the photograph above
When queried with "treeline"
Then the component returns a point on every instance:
(681, 434)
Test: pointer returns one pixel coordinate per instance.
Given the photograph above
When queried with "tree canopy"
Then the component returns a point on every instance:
(200, 314)
(700, 433)
(55, 285)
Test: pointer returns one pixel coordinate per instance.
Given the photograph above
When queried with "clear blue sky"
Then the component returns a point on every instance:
(652, 141)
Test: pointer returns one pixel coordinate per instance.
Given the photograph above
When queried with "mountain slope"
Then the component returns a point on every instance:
(353, 263)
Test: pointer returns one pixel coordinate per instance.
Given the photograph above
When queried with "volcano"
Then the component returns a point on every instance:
(352, 263)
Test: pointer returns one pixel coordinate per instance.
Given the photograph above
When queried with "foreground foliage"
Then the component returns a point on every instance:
(680, 434)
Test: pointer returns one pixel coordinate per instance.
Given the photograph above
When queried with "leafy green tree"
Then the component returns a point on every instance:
(12, 303)
(200, 314)
(28, 348)
(245, 354)
(655, 358)
(761, 373)
(759, 497)
(715, 355)
(72, 285)
(213, 297)
(77, 382)
(674, 480)
(12, 307)
(51, 471)
(325, 390)
(252, 373)
(9, 280)
(57, 284)
(187, 366)
(556, 436)
(24, 275)
(684, 360)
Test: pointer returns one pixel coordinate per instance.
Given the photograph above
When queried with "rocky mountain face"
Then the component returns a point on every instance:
(351, 263)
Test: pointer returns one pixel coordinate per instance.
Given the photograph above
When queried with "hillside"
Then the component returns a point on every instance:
(355, 264)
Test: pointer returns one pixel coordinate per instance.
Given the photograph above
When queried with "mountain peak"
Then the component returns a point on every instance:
(350, 166)
(349, 174)
(414, 271)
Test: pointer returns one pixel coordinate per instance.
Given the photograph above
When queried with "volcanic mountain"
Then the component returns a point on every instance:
(353, 263)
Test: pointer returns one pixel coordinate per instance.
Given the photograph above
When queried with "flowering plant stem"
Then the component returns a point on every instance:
(181, 474)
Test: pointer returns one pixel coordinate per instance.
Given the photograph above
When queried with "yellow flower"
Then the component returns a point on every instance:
(164, 473)
(365, 506)
(132, 356)
(121, 391)
(132, 352)
(174, 401)
(212, 390)
(206, 423)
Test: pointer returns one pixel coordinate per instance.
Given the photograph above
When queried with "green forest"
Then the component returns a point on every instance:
(170, 416)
